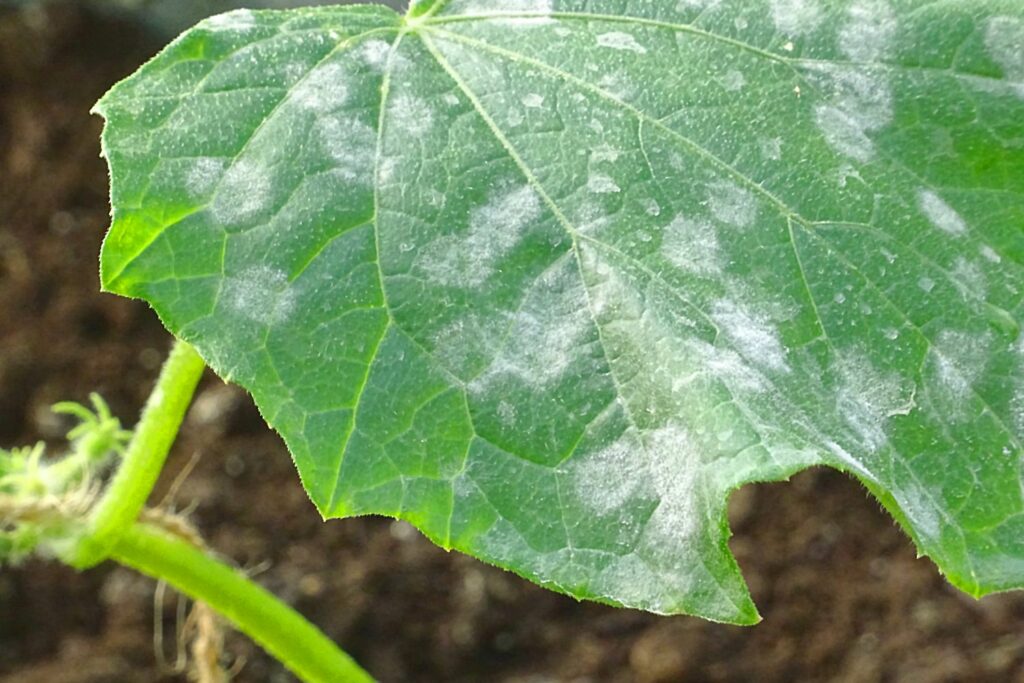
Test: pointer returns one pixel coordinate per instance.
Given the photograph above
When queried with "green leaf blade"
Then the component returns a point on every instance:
(550, 279)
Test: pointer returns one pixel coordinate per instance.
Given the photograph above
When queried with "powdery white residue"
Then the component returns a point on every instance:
(1004, 39)
(960, 359)
(675, 471)
(732, 204)
(540, 8)
(919, 508)
(868, 397)
(261, 294)
(494, 230)
(734, 81)
(203, 176)
(752, 335)
(612, 477)
(618, 40)
(692, 246)
(796, 17)
(860, 104)
(846, 458)
(1017, 401)
(373, 53)
(237, 20)
(868, 34)
(351, 144)
(730, 368)
(942, 215)
(969, 279)
(926, 284)
(686, 5)
(771, 149)
(604, 153)
(600, 183)
(244, 193)
(546, 337)
(324, 89)
(990, 254)
(533, 101)
(410, 114)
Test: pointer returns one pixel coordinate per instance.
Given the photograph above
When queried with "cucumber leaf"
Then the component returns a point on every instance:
(551, 278)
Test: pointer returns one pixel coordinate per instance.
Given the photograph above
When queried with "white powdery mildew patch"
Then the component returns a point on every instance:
(533, 100)
(260, 294)
(686, 5)
(202, 178)
(237, 20)
(753, 335)
(244, 192)
(324, 89)
(674, 467)
(544, 339)
(860, 104)
(494, 230)
(942, 215)
(847, 458)
(1017, 401)
(410, 114)
(969, 279)
(868, 34)
(796, 17)
(351, 144)
(692, 246)
(732, 204)
(618, 40)
(867, 398)
(612, 477)
(541, 8)
(601, 183)
(919, 507)
(374, 53)
(960, 360)
(1004, 40)
(734, 80)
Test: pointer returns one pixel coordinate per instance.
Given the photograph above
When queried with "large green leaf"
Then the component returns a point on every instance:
(550, 278)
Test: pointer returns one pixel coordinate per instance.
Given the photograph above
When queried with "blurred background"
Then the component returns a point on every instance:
(843, 596)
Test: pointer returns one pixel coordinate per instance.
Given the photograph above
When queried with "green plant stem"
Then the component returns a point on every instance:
(279, 629)
(144, 458)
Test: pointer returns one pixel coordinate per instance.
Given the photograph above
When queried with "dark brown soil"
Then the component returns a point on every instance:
(843, 596)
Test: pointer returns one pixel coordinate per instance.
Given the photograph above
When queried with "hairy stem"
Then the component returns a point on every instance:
(279, 629)
(144, 458)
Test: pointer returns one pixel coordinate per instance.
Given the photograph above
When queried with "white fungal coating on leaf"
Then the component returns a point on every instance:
(349, 142)
(244, 193)
(494, 230)
(860, 104)
(752, 334)
(960, 359)
(410, 114)
(692, 246)
(868, 397)
(1004, 38)
(796, 17)
(203, 176)
(869, 31)
(602, 183)
(618, 40)
(261, 294)
(732, 204)
(236, 20)
(942, 215)
(374, 53)
(324, 89)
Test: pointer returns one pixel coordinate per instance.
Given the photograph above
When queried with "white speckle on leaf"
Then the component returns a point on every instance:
(691, 246)
(675, 472)
(960, 359)
(351, 144)
(990, 254)
(494, 230)
(860, 103)
(868, 34)
(969, 278)
(261, 294)
(546, 335)
(1004, 39)
(236, 20)
(734, 81)
(203, 176)
(605, 153)
(926, 284)
(612, 477)
(600, 183)
(919, 508)
(732, 204)
(621, 41)
(374, 53)
(753, 335)
(868, 397)
(771, 149)
(410, 114)
(533, 101)
(796, 17)
(244, 192)
(540, 8)
(324, 89)
(846, 458)
(942, 215)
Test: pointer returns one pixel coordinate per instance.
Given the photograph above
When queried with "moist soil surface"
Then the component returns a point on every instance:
(842, 594)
